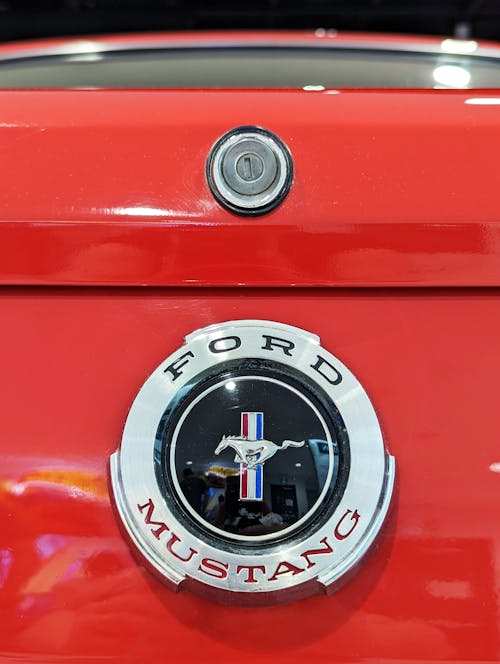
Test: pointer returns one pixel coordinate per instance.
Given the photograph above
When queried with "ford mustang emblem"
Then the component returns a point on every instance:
(252, 466)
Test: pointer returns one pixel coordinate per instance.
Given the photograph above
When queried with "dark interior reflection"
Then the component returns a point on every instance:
(214, 492)
(233, 492)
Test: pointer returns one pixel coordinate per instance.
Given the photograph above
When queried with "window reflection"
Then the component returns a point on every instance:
(452, 76)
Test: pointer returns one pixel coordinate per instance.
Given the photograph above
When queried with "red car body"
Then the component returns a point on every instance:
(112, 248)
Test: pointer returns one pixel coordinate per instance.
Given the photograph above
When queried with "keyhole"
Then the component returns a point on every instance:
(249, 167)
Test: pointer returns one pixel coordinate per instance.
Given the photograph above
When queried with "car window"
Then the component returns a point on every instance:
(251, 67)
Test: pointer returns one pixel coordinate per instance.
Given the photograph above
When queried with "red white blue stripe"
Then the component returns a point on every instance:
(251, 479)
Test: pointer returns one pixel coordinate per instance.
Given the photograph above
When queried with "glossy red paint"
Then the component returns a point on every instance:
(72, 361)
(108, 188)
(391, 188)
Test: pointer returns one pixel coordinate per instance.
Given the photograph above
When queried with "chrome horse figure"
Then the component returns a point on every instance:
(253, 452)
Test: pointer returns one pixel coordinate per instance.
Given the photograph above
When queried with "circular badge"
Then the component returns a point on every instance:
(252, 465)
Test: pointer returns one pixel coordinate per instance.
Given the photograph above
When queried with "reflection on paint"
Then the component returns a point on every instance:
(74, 482)
(147, 211)
(483, 101)
(6, 560)
(454, 589)
(47, 545)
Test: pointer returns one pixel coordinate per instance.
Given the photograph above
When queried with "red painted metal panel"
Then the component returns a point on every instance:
(108, 187)
(72, 361)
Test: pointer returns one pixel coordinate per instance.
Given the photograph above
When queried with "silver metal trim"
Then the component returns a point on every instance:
(171, 576)
(328, 579)
(89, 46)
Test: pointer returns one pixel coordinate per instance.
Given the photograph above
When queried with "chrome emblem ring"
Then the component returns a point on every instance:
(252, 466)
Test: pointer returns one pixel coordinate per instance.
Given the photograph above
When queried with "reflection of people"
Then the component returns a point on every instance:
(235, 515)
(213, 503)
(194, 489)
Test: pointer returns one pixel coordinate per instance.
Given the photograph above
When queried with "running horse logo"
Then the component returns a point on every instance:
(252, 451)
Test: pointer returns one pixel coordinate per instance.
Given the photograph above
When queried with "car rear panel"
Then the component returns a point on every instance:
(391, 188)
(113, 249)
